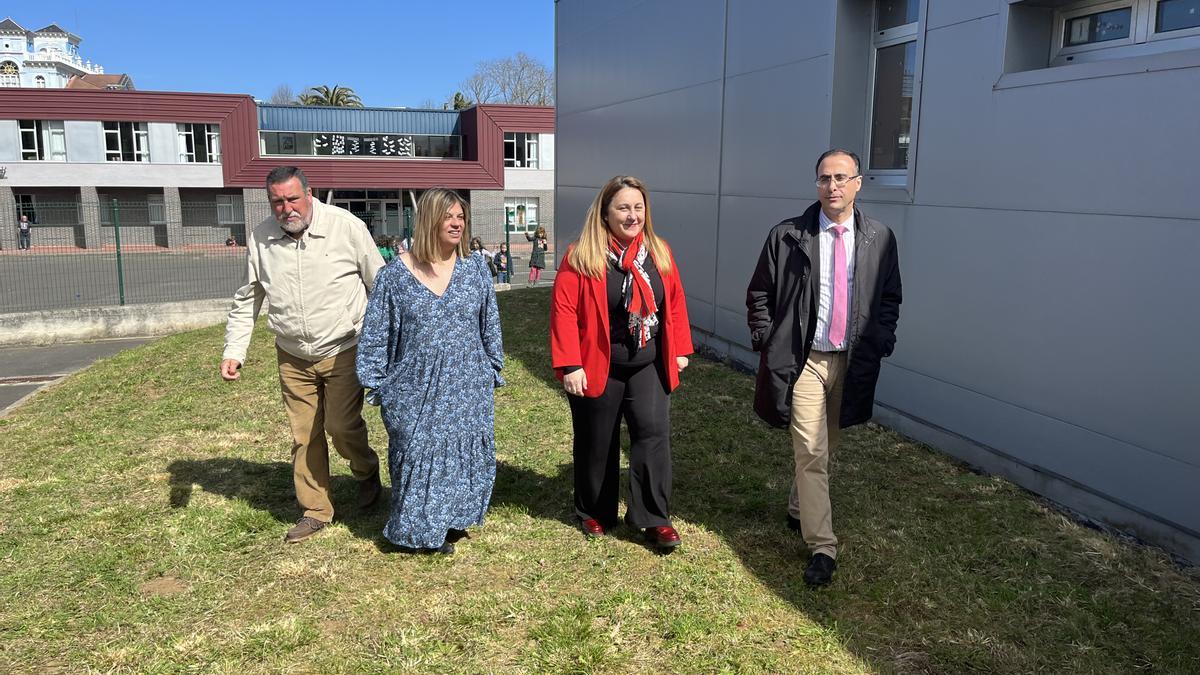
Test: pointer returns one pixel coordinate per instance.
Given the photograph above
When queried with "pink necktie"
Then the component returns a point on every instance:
(837, 319)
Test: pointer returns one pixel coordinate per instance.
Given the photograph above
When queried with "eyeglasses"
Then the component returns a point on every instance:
(839, 180)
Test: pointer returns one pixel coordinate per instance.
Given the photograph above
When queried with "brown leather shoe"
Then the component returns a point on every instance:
(369, 491)
(664, 537)
(592, 528)
(303, 529)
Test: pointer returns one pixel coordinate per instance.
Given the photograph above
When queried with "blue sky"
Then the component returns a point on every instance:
(392, 53)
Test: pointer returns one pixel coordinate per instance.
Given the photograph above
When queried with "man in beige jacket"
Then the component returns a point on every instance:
(314, 265)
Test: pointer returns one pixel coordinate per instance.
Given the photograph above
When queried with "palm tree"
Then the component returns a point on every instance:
(341, 97)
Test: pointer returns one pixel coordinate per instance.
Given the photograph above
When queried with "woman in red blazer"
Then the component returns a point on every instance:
(619, 337)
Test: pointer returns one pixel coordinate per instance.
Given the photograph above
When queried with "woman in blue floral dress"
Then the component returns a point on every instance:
(430, 354)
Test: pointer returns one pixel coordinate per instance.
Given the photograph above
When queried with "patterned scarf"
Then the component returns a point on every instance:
(636, 293)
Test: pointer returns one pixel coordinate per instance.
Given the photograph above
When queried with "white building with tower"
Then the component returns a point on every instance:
(48, 58)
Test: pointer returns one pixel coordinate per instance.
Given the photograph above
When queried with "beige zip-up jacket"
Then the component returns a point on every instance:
(315, 287)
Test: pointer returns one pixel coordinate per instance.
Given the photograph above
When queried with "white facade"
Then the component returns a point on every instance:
(46, 58)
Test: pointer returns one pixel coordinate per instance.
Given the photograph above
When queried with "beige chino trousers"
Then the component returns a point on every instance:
(816, 407)
(324, 396)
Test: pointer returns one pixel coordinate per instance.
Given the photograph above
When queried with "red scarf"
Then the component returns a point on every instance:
(636, 292)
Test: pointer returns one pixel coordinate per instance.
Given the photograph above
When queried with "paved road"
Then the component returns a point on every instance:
(24, 370)
(35, 281)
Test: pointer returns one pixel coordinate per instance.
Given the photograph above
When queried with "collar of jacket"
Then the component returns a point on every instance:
(806, 227)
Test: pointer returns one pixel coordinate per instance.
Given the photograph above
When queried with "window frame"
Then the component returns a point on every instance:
(43, 134)
(1143, 32)
(518, 202)
(1157, 35)
(234, 205)
(882, 39)
(193, 133)
(139, 135)
(524, 144)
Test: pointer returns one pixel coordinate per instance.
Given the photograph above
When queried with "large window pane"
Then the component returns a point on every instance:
(892, 13)
(1099, 27)
(1177, 15)
(892, 112)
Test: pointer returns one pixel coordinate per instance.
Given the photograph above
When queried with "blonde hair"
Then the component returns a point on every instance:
(432, 207)
(589, 253)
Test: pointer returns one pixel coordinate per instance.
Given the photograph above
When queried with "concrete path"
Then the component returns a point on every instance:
(24, 370)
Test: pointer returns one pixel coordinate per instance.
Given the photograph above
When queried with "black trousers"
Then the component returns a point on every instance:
(640, 396)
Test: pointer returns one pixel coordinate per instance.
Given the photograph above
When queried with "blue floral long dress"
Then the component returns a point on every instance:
(433, 363)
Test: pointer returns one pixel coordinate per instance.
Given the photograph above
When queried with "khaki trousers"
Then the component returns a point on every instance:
(816, 406)
(324, 396)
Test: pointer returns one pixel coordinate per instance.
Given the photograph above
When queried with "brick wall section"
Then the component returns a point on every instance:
(487, 223)
(173, 214)
(256, 206)
(8, 219)
(90, 207)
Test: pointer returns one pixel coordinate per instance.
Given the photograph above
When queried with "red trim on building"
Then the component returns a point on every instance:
(483, 128)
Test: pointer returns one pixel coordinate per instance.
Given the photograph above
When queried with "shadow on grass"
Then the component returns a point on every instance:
(267, 486)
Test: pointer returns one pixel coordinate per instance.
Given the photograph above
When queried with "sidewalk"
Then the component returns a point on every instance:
(24, 370)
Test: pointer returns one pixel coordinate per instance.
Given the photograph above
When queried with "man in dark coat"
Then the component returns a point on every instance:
(822, 307)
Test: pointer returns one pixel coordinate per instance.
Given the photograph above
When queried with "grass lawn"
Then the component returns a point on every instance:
(143, 503)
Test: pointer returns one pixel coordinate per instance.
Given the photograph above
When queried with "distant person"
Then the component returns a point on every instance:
(619, 338)
(230, 241)
(827, 286)
(431, 354)
(537, 257)
(386, 249)
(23, 232)
(314, 265)
(478, 247)
(503, 261)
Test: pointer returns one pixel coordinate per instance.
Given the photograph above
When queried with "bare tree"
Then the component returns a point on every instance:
(283, 95)
(519, 79)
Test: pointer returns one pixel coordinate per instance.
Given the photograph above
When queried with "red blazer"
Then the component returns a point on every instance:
(579, 331)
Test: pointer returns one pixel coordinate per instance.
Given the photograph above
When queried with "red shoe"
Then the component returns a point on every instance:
(664, 537)
(592, 528)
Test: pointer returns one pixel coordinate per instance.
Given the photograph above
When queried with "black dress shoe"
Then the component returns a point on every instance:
(820, 570)
(793, 523)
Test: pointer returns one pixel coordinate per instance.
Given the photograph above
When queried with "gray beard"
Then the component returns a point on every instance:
(294, 229)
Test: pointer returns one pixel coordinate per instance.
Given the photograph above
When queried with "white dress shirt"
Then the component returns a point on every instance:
(825, 242)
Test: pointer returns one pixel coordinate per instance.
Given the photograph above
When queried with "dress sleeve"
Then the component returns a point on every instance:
(378, 346)
(489, 323)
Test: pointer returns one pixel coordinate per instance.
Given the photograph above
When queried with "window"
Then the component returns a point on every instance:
(26, 206)
(126, 142)
(41, 140)
(521, 214)
(40, 82)
(359, 145)
(155, 211)
(521, 150)
(199, 143)
(1092, 30)
(229, 210)
(893, 66)
(10, 75)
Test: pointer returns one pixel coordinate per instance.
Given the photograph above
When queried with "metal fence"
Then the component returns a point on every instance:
(123, 252)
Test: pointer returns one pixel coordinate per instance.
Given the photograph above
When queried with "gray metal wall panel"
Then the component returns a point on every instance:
(10, 141)
(648, 138)
(1058, 314)
(1133, 476)
(765, 35)
(793, 130)
(85, 141)
(689, 224)
(949, 12)
(623, 56)
(362, 120)
(1002, 140)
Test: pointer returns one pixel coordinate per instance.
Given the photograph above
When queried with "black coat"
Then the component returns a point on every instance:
(782, 313)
